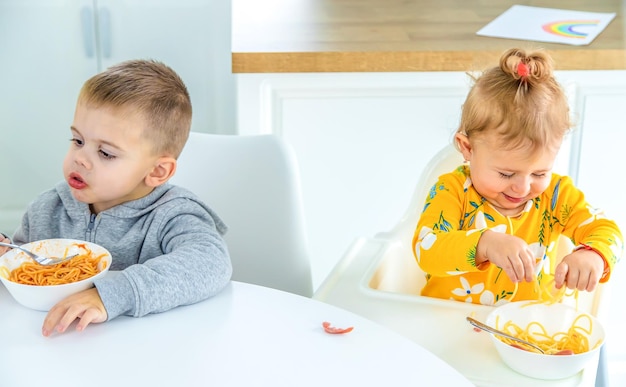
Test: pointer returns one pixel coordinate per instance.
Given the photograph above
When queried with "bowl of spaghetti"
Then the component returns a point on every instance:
(571, 339)
(41, 287)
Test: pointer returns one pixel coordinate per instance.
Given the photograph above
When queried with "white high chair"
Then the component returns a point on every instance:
(252, 183)
(379, 278)
(393, 268)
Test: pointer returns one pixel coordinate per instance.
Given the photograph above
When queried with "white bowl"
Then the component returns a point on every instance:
(45, 297)
(555, 318)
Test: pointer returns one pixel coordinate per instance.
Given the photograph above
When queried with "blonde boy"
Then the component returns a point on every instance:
(130, 125)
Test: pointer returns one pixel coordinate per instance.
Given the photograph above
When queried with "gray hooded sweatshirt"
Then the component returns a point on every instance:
(167, 246)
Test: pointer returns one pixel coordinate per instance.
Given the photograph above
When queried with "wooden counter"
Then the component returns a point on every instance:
(283, 36)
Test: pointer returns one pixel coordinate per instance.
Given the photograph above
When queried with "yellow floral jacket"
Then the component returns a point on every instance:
(455, 216)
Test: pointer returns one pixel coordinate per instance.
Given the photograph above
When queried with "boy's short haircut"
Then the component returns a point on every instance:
(151, 89)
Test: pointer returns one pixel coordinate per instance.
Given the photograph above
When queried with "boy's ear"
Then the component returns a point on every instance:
(464, 145)
(163, 170)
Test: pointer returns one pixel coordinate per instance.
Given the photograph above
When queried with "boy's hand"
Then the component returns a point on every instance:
(86, 306)
(4, 239)
(508, 252)
(582, 270)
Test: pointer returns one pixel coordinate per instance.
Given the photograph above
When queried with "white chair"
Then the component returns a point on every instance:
(398, 271)
(252, 183)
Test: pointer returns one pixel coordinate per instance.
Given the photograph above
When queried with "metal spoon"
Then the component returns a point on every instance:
(45, 261)
(494, 331)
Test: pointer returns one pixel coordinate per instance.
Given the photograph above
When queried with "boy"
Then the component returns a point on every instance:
(130, 125)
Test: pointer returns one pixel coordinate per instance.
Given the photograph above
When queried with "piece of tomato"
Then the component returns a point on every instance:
(331, 329)
(565, 352)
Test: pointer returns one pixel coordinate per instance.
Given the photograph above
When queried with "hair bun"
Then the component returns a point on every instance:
(530, 67)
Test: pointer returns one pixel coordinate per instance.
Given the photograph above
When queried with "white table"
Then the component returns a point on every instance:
(246, 336)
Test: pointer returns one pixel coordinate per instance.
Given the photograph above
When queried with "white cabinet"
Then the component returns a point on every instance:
(601, 112)
(49, 48)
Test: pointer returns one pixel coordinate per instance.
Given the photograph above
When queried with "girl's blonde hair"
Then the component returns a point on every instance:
(520, 101)
(150, 89)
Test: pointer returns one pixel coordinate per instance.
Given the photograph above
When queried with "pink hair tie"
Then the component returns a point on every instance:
(522, 69)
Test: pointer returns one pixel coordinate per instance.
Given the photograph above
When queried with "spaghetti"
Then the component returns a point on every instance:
(575, 339)
(76, 269)
(547, 293)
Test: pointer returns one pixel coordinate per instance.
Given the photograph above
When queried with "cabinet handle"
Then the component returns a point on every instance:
(87, 22)
(104, 20)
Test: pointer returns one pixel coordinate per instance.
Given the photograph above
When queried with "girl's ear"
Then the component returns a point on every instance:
(163, 170)
(464, 145)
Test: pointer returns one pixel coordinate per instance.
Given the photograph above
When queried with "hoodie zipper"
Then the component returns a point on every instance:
(92, 222)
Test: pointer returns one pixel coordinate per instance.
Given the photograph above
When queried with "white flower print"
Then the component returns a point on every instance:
(488, 298)
(468, 290)
(427, 239)
(480, 222)
(467, 184)
(596, 213)
(423, 232)
(499, 228)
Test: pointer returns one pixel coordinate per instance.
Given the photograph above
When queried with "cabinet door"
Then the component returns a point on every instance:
(191, 36)
(600, 138)
(44, 63)
(601, 157)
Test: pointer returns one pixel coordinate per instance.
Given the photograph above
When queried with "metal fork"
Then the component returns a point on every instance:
(44, 261)
(494, 331)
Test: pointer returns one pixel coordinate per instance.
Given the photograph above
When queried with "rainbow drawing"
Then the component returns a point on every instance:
(570, 28)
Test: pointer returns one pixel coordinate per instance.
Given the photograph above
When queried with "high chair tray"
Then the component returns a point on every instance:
(378, 279)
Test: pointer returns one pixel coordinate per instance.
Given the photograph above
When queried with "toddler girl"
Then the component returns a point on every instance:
(489, 229)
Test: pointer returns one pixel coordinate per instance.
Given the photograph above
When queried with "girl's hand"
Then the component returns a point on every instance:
(508, 252)
(582, 270)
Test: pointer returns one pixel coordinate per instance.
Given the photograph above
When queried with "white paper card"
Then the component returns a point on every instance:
(548, 25)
